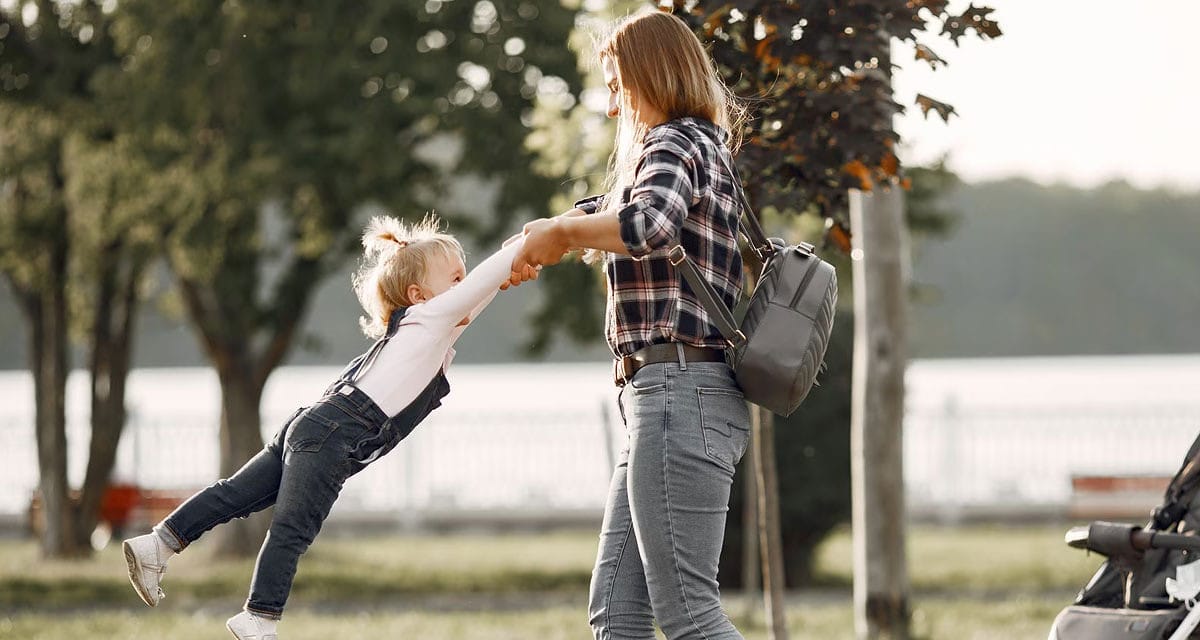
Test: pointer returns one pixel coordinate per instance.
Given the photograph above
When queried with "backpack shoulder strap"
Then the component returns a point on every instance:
(748, 222)
(722, 317)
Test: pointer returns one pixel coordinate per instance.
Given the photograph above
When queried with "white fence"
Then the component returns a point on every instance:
(519, 440)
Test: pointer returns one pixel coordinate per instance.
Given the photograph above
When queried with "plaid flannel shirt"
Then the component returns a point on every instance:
(681, 194)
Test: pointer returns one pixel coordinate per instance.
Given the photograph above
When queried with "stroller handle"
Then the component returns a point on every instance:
(1125, 540)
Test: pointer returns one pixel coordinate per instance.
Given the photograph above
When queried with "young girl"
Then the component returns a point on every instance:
(685, 416)
(418, 299)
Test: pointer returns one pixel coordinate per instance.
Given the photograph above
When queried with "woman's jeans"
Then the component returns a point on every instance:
(665, 519)
(301, 471)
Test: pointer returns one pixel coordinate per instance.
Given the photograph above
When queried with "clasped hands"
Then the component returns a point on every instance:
(545, 243)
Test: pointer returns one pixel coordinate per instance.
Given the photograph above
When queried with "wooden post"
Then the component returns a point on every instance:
(770, 539)
(881, 605)
(751, 558)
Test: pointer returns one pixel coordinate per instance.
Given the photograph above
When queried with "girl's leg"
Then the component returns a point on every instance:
(252, 489)
(316, 464)
(688, 428)
(619, 605)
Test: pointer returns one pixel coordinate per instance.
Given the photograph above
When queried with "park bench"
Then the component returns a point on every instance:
(124, 508)
(1115, 497)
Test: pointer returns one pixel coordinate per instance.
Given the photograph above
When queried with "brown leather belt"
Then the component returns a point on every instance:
(625, 367)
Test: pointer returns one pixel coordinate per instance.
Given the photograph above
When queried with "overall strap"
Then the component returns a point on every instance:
(362, 363)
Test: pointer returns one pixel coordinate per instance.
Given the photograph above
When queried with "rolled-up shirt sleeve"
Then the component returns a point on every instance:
(660, 197)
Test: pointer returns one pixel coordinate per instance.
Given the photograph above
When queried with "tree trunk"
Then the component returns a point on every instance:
(751, 559)
(762, 425)
(44, 305)
(113, 325)
(881, 593)
(228, 338)
(241, 439)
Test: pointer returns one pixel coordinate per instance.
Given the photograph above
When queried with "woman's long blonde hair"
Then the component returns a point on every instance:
(657, 56)
(395, 256)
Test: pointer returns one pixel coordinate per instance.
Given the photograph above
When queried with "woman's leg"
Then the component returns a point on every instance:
(619, 605)
(688, 428)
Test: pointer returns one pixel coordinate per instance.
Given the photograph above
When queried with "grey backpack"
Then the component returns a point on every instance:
(777, 350)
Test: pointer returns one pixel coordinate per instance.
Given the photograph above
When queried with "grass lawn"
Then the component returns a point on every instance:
(974, 582)
(937, 618)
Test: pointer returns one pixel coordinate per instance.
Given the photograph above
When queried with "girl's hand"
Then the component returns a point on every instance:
(528, 272)
(516, 278)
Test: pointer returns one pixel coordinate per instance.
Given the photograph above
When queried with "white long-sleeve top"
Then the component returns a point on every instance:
(424, 341)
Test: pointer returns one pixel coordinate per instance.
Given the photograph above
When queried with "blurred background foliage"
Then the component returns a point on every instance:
(218, 160)
(243, 145)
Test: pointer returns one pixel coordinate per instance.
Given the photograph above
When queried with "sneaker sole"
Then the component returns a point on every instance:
(135, 573)
(230, 630)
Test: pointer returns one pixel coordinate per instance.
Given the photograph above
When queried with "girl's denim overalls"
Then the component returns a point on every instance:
(301, 471)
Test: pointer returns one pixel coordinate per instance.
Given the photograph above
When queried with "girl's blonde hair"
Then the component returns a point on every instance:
(657, 56)
(396, 256)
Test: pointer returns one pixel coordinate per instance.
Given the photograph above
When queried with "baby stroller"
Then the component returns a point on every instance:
(1145, 588)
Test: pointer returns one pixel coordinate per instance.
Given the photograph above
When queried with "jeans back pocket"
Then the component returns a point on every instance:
(309, 432)
(725, 425)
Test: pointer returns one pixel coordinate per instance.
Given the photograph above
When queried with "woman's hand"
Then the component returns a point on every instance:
(545, 243)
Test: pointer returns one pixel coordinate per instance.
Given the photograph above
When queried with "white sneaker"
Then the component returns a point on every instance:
(247, 626)
(147, 559)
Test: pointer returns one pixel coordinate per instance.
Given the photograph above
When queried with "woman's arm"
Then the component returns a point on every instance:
(662, 193)
(547, 240)
(658, 205)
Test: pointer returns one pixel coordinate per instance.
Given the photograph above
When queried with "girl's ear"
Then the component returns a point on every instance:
(415, 294)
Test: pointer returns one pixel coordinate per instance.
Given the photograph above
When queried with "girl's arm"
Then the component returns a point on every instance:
(467, 298)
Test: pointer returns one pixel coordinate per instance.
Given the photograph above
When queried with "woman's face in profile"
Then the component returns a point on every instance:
(621, 97)
(613, 84)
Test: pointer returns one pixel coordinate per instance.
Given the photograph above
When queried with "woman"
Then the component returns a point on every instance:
(686, 420)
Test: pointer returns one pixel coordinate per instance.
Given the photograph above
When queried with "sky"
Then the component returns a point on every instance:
(1075, 91)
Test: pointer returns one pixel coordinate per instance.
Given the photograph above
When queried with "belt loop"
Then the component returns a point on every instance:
(682, 360)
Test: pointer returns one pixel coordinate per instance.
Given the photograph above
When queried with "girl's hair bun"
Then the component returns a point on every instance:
(385, 233)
